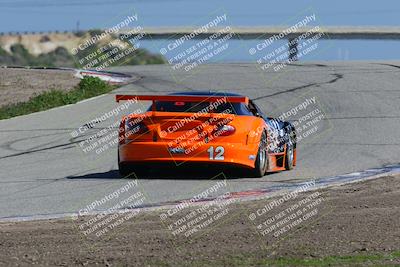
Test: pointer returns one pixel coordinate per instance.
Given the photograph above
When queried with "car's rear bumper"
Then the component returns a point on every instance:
(235, 154)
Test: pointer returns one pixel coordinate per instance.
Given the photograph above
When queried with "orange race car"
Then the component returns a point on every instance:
(203, 128)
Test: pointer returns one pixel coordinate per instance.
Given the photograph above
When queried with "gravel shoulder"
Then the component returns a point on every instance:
(18, 85)
(354, 225)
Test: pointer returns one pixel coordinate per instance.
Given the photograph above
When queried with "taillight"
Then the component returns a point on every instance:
(226, 130)
(134, 127)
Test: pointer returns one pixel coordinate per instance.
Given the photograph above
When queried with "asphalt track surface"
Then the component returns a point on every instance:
(43, 170)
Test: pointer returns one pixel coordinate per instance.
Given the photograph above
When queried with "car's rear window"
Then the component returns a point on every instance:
(192, 107)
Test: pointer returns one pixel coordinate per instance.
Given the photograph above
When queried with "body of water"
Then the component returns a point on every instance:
(51, 15)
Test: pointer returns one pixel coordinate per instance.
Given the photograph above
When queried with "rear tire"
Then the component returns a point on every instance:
(124, 170)
(129, 171)
(289, 155)
(261, 164)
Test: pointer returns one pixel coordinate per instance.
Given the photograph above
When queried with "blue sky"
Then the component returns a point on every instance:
(43, 15)
(51, 15)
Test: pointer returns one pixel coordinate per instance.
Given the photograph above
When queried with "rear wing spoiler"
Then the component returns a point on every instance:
(184, 98)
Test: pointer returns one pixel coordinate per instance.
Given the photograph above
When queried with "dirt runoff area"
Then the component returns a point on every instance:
(18, 85)
(352, 225)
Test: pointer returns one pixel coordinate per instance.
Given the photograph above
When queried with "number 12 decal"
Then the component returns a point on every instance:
(219, 153)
